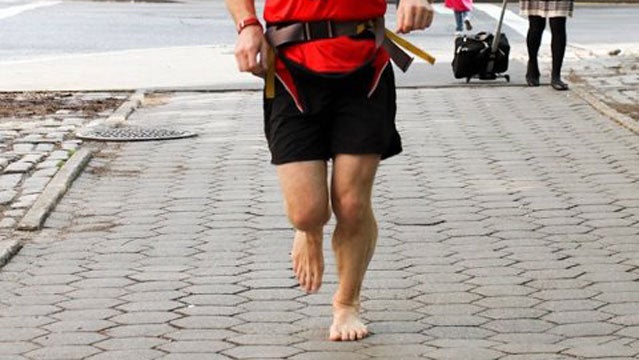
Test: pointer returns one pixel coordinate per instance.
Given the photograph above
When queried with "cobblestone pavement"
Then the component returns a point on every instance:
(36, 141)
(508, 230)
(614, 80)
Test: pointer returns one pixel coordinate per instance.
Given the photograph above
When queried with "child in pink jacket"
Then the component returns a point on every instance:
(462, 10)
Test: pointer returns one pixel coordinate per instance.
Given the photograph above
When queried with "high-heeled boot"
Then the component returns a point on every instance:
(532, 74)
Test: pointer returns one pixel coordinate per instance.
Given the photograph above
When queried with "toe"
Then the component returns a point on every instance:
(352, 335)
(317, 282)
(308, 282)
(362, 333)
(333, 334)
(301, 278)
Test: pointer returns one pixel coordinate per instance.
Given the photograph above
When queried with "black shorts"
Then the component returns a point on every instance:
(339, 117)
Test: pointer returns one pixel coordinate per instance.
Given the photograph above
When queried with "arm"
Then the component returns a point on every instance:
(250, 47)
(413, 15)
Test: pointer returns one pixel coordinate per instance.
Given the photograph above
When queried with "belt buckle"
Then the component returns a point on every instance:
(319, 30)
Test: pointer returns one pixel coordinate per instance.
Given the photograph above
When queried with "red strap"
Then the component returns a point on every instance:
(249, 21)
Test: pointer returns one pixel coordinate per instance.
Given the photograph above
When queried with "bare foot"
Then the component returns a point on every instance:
(347, 325)
(308, 261)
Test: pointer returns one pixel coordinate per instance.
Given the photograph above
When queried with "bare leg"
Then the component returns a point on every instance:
(305, 190)
(353, 241)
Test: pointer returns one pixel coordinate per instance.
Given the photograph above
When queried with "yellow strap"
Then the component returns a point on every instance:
(269, 86)
(410, 47)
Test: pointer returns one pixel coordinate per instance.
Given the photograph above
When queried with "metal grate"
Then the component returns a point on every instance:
(133, 134)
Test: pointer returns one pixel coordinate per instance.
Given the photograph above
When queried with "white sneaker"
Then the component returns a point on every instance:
(458, 33)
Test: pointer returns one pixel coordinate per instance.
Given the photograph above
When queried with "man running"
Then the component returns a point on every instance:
(332, 97)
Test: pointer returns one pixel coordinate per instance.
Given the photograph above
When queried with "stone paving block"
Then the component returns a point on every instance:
(148, 330)
(507, 302)
(459, 332)
(146, 317)
(66, 352)
(464, 353)
(270, 316)
(270, 328)
(403, 351)
(195, 346)
(448, 298)
(15, 348)
(150, 306)
(192, 356)
(127, 355)
(193, 310)
(206, 322)
(129, 343)
(276, 352)
(29, 321)
(629, 331)
(201, 334)
(585, 329)
(455, 320)
(69, 338)
(537, 357)
(518, 325)
(602, 351)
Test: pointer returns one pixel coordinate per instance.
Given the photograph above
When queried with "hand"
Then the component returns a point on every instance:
(413, 15)
(250, 51)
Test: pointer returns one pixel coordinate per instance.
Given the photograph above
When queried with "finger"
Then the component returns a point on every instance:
(409, 21)
(258, 70)
(422, 18)
(251, 62)
(429, 19)
(400, 20)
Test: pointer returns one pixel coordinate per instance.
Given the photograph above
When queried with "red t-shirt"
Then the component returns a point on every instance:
(340, 54)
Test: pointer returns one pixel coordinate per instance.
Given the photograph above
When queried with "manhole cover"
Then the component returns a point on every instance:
(133, 134)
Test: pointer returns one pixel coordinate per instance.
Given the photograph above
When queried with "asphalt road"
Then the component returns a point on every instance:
(31, 29)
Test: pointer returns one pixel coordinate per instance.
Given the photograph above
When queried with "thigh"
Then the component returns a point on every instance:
(353, 176)
(557, 25)
(304, 186)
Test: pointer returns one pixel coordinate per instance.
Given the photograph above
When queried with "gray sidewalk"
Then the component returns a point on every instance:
(508, 230)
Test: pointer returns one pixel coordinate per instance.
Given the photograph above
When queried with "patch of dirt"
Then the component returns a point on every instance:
(156, 99)
(28, 104)
(631, 110)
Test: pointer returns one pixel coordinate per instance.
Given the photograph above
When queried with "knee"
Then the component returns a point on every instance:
(350, 208)
(309, 216)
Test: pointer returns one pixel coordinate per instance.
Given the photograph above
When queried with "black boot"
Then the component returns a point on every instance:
(532, 75)
(558, 85)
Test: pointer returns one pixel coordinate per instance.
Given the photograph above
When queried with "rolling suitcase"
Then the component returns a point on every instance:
(483, 55)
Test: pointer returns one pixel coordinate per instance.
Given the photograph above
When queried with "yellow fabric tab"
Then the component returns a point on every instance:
(360, 28)
(410, 47)
(269, 86)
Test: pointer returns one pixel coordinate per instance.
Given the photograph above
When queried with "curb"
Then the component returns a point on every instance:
(8, 248)
(122, 113)
(57, 187)
(621, 119)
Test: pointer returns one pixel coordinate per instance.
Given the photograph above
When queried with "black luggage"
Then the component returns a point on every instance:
(483, 55)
